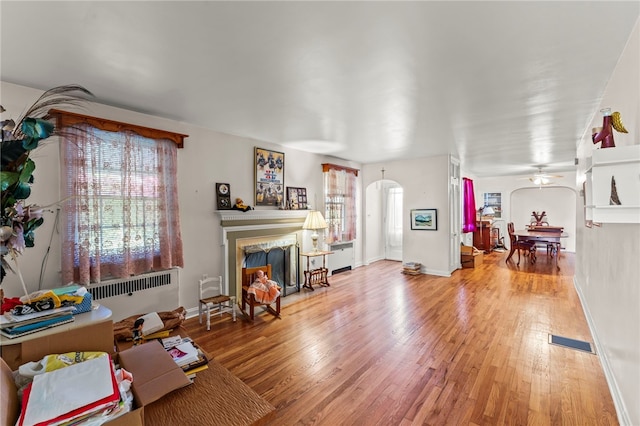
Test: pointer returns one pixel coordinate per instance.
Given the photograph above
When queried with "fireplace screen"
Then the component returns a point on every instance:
(283, 260)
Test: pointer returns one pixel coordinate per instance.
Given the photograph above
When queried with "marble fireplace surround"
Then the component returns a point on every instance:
(240, 229)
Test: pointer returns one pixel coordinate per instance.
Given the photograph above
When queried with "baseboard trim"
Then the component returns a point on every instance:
(436, 272)
(616, 395)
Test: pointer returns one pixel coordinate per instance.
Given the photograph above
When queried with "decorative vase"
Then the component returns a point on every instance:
(605, 135)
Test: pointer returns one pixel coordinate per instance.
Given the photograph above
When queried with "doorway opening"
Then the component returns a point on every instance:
(384, 223)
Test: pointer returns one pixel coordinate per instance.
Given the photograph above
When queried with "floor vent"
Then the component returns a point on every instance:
(571, 343)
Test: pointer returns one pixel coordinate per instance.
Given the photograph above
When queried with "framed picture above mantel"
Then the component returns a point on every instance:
(269, 177)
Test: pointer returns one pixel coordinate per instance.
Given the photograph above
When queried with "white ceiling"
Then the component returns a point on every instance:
(506, 86)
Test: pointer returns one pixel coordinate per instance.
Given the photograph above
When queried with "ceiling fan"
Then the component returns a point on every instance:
(542, 179)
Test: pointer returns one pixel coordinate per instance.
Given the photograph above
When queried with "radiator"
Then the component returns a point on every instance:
(156, 291)
(341, 259)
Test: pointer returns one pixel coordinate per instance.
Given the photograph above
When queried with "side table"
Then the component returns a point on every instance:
(316, 276)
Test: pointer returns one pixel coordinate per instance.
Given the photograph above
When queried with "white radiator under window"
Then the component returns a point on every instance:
(156, 291)
(341, 259)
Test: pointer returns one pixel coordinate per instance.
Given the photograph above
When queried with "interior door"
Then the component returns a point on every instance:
(455, 216)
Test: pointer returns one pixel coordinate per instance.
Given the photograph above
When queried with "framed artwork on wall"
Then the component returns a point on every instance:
(296, 198)
(269, 177)
(424, 219)
(223, 196)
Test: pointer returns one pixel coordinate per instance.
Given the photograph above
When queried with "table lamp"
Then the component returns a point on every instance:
(314, 221)
(486, 211)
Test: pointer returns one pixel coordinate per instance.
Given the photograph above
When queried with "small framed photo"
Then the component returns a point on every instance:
(296, 198)
(424, 219)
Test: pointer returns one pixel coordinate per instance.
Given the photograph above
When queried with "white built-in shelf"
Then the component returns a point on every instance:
(622, 164)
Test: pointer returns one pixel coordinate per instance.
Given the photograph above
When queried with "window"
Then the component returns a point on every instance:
(121, 207)
(340, 202)
(494, 200)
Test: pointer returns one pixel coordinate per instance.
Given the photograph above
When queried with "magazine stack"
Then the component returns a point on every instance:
(411, 268)
(187, 354)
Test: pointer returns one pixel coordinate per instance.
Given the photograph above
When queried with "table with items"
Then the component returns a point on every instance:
(316, 276)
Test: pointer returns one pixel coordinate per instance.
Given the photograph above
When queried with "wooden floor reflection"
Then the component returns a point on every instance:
(380, 347)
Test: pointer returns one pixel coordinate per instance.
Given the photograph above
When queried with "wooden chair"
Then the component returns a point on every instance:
(212, 297)
(248, 276)
(529, 247)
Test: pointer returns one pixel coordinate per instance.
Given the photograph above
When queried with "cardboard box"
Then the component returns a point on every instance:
(97, 336)
(466, 249)
(472, 260)
(154, 371)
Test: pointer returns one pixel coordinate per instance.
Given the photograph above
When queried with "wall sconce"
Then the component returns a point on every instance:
(313, 222)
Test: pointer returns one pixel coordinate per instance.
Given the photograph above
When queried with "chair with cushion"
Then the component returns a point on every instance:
(248, 299)
(529, 247)
(214, 300)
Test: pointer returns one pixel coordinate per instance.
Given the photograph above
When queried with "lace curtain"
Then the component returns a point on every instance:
(468, 206)
(121, 213)
(394, 217)
(340, 203)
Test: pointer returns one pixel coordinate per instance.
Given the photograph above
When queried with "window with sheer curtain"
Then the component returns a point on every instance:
(340, 202)
(121, 214)
(394, 217)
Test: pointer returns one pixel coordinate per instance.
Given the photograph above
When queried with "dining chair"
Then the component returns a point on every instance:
(529, 247)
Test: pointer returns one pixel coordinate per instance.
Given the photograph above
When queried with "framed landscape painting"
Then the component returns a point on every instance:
(424, 219)
(269, 173)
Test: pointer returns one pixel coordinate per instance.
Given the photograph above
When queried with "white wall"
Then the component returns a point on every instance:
(607, 257)
(558, 200)
(424, 183)
(373, 241)
(207, 157)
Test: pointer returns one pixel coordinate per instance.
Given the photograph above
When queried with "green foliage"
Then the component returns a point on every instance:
(17, 167)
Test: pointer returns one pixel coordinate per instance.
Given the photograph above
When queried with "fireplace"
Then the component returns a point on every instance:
(262, 235)
(279, 251)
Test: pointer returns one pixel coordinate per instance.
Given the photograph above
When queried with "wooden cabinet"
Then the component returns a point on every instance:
(482, 236)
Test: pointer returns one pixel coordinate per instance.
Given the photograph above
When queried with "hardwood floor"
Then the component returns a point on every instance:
(380, 347)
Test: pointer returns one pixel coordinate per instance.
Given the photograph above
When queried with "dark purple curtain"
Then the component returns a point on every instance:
(468, 206)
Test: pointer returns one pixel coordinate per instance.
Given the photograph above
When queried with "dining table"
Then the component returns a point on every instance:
(551, 237)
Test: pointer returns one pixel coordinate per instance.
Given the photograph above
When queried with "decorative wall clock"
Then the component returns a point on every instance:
(223, 196)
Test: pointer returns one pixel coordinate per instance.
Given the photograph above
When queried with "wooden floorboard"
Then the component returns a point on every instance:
(381, 348)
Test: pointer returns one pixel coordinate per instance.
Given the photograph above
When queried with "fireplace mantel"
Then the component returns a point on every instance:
(237, 225)
(231, 218)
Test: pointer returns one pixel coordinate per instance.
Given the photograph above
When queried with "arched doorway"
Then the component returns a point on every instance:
(559, 203)
(383, 219)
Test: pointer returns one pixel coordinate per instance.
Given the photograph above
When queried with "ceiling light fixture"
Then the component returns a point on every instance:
(540, 180)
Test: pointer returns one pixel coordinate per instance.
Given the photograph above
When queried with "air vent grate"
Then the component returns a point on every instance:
(129, 286)
(571, 343)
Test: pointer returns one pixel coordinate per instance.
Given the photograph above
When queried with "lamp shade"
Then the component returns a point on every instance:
(488, 211)
(314, 221)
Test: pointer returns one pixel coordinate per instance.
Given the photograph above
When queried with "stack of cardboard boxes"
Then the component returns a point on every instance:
(157, 379)
(470, 256)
